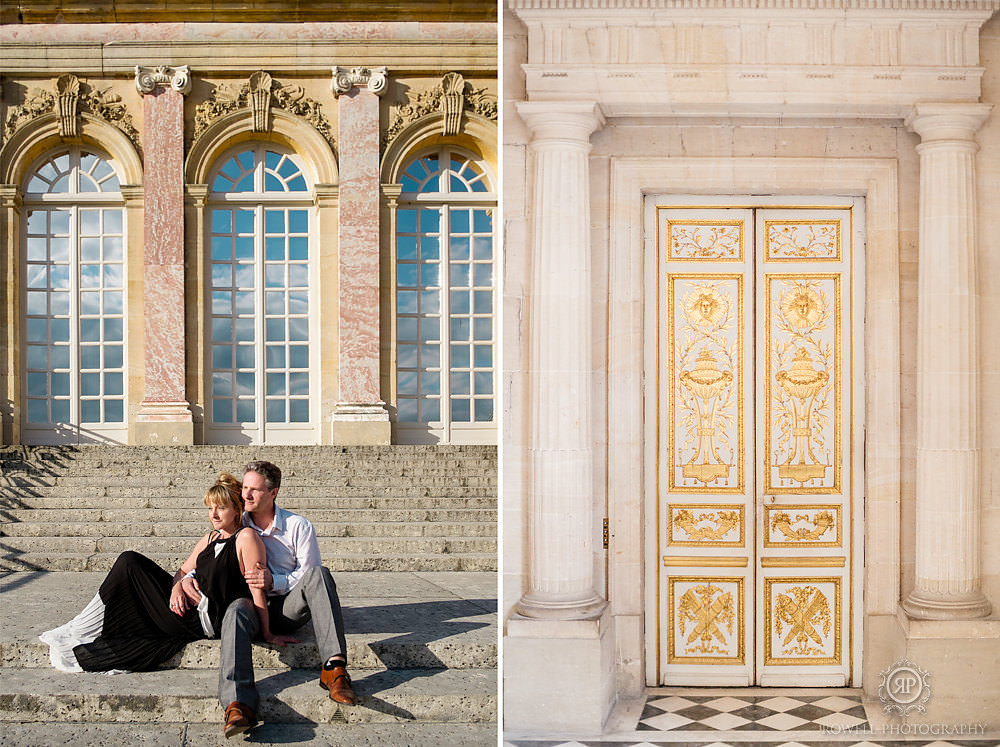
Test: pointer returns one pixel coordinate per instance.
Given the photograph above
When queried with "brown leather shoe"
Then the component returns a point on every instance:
(338, 682)
(239, 718)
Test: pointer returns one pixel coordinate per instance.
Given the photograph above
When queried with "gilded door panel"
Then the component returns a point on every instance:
(802, 403)
(802, 621)
(706, 345)
(802, 525)
(707, 625)
(706, 525)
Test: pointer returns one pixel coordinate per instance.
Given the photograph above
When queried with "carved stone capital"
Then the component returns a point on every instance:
(133, 194)
(148, 78)
(391, 193)
(196, 194)
(373, 78)
(327, 195)
(952, 121)
(10, 197)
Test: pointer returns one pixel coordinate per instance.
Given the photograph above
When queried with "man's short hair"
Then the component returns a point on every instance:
(269, 471)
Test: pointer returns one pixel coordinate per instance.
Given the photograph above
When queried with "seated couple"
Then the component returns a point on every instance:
(257, 573)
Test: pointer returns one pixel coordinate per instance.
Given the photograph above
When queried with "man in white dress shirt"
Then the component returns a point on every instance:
(298, 586)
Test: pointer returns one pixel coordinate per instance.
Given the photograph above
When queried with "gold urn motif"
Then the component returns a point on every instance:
(802, 382)
(706, 382)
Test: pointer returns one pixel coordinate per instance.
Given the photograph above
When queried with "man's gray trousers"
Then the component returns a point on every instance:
(314, 596)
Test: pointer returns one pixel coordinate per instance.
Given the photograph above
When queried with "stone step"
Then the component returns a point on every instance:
(88, 493)
(328, 547)
(305, 505)
(173, 476)
(287, 696)
(11, 560)
(190, 531)
(396, 734)
(354, 516)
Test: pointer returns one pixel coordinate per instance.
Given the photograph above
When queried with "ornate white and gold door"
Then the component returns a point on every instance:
(758, 411)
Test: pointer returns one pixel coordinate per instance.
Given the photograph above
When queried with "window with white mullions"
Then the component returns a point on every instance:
(445, 327)
(73, 388)
(261, 388)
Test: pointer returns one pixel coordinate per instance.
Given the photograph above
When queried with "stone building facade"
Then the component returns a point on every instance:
(248, 223)
(750, 306)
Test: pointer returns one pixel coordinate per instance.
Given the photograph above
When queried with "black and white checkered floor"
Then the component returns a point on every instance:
(754, 718)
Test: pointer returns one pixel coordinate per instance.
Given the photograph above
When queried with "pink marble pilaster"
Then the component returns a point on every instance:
(358, 91)
(165, 399)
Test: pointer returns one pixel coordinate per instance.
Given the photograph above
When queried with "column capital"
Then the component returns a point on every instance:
(391, 193)
(568, 122)
(10, 196)
(133, 194)
(196, 194)
(148, 78)
(934, 121)
(373, 78)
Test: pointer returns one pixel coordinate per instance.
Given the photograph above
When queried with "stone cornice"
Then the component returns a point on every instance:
(19, 54)
(576, 6)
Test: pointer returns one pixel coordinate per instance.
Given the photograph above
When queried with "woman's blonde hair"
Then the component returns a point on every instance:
(227, 491)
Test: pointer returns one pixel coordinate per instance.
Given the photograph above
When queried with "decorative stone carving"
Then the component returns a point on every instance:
(372, 78)
(68, 88)
(452, 102)
(259, 94)
(260, 100)
(453, 91)
(72, 97)
(178, 78)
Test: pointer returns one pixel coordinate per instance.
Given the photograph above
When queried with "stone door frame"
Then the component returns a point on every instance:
(631, 462)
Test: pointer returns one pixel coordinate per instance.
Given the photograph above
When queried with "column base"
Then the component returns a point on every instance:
(922, 605)
(959, 657)
(361, 424)
(537, 606)
(559, 675)
(164, 423)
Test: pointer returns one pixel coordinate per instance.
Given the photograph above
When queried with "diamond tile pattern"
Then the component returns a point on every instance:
(750, 713)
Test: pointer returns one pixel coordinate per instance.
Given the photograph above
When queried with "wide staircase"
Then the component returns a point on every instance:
(408, 531)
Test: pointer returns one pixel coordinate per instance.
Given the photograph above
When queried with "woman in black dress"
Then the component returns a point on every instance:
(140, 617)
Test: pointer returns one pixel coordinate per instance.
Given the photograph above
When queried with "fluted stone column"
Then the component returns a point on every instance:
(561, 490)
(360, 415)
(164, 414)
(948, 452)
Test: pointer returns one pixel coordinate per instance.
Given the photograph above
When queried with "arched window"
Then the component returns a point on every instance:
(445, 299)
(260, 305)
(74, 383)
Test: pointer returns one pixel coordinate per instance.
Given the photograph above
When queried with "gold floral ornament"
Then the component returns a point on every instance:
(704, 240)
(810, 240)
(803, 383)
(705, 617)
(706, 382)
(722, 523)
(822, 523)
(803, 612)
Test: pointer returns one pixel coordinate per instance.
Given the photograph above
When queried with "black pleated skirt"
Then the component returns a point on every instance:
(140, 632)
